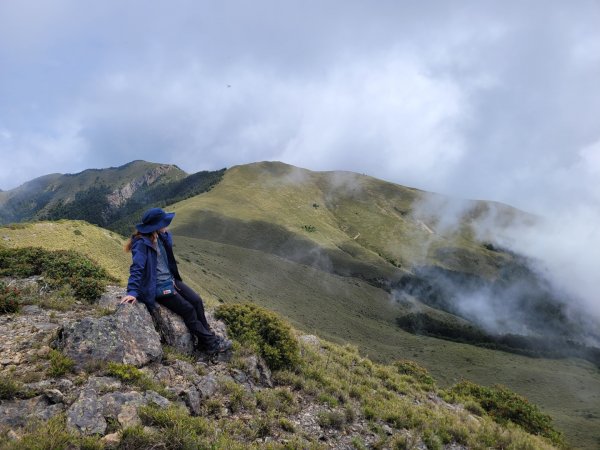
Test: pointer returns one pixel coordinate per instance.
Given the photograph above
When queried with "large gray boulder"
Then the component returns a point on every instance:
(127, 336)
(169, 325)
(17, 413)
(85, 415)
(173, 331)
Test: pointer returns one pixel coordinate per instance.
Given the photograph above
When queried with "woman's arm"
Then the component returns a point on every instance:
(139, 253)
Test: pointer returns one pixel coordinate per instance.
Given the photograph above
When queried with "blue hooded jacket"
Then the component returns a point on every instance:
(142, 272)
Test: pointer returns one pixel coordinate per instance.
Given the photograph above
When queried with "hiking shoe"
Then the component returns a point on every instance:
(221, 346)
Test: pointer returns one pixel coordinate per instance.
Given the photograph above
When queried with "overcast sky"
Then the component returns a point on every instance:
(484, 99)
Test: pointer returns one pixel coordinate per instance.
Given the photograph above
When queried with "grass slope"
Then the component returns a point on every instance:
(344, 309)
(369, 219)
(280, 236)
(103, 246)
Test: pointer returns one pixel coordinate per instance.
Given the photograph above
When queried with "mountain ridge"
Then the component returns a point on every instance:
(101, 196)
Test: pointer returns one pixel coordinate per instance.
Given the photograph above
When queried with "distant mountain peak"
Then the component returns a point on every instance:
(99, 195)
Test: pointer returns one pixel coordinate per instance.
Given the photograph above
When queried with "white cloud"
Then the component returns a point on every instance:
(487, 101)
(64, 151)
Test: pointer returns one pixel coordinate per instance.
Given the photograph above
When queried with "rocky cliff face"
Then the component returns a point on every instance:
(120, 196)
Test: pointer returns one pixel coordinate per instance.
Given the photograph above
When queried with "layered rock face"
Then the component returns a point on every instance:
(127, 336)
(120, 196)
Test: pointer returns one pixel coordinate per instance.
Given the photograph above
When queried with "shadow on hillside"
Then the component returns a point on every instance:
(279, 241)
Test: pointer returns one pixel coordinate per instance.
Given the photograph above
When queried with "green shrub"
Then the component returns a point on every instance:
(171, 354)
(414, 370)
(124, 372)
(309, 228)
(505, 406)
(287, 425)
(350, 414)
(135, 377)
(262, 427)
(52, 435)
(59, 364)
(178, 430)
(331, 419)
(278, 399)
(59, 267)
(263, 330)
(327, 399)
(61, 299)
(9, 388)
(212, 407)
(135, 438)
(9, 299)
(238, 397)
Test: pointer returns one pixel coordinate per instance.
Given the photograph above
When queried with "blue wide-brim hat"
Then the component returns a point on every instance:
(154, 219)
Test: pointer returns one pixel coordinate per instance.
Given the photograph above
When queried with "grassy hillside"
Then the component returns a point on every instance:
(317, 247)
(330, 251)
(393, 237)
(103, 246)
(344, 309)
(366, 218)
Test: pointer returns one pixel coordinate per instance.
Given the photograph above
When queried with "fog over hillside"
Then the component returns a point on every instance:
(560, 249)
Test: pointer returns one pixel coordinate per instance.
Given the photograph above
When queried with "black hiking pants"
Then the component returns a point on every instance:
(188, 304)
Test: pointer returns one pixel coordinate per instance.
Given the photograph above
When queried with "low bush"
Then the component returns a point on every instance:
(59, 267)
(287, 425)
(504, 406)
(278, 399)
(178, 430)
(59, 364)
(238, 398)
(135, 377)
(124, 372)
(415, 371)
(332, 419)
(9, 299)
(136, 437)
(9, 388)
(51, 435)
(263, 330)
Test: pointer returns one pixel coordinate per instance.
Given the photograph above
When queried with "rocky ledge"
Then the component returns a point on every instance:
(95, 403)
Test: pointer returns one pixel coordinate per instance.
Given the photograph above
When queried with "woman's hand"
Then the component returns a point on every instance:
(128, 299)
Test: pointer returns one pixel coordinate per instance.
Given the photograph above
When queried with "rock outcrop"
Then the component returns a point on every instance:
(20, 412)
(171, 328)
(120, 196)
(127, 336)
(90, 413)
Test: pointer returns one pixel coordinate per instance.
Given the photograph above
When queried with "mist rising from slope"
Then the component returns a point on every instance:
(559, 252)
(565, 248)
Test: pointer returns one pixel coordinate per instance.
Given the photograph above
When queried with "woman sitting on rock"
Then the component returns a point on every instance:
(154, 278)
